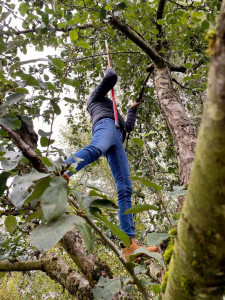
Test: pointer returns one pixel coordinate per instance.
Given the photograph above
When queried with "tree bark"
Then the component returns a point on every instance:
(90, 265)
(56, 268)
(197, 268)
(183, 131)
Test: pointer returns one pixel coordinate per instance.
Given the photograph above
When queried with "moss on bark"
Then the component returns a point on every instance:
(197, 268)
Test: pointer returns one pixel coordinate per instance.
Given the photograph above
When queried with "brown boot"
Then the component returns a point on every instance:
(66, 176)
(127, 252)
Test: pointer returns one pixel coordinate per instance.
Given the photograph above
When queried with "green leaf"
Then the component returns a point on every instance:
(57, 62)
(46, 161)
(10, 224)
(3, 180)
(45, 236)
(138, 141)
(106, 288)
(83, 44)
(188, 65)
(160, 21)
(39, 188)
(93, 193)
(45, 141)
(104, 203)
(54, 199)
(178, 193)
(44, 133)
(4, 15)
(156, 288)
(35, 215)
(140, 208)
(86, 234)
(29, 80)
(21, 185)
(141, 269)
(11, 122)
(56, 107)
(147, 183)
(23, 8)
(12, 99)
(154, 31)
(108, 7)
(102, 14)
(205, 25)
(69, 100)
(179, 190)
(11, 160)
(69, 81)
(155, 238)
(143, 250)
(119, 233)
(73, 35)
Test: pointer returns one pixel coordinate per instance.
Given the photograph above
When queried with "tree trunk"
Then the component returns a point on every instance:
(197, 268)
(183, 131)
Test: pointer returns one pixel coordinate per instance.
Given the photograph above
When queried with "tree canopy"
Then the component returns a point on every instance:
(161, 51)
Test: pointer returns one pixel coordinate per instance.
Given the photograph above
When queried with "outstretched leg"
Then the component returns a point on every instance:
(118, 162)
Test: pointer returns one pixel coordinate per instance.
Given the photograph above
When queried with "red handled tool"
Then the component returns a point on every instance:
(113, 95)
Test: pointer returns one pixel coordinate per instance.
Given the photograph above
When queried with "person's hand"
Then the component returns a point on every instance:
(135, 105)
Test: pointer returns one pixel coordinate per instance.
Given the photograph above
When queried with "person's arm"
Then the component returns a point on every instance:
(131, 117)
(105, 86)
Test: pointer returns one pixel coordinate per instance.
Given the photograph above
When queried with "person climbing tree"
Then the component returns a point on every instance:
(107, 140)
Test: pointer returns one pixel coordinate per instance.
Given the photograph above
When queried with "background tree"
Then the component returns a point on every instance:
(154, 40)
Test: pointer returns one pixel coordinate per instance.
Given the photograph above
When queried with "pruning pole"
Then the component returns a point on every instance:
(113, 95)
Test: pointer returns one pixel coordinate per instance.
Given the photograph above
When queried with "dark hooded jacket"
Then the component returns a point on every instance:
(100, 106)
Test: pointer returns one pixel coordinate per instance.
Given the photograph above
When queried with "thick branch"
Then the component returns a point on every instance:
(157, 59)
(56, 268)
(181, 69)
(159, 16)
(92, 267)
(27, 151)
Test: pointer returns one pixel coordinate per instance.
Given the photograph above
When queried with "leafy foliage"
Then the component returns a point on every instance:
(42, 87)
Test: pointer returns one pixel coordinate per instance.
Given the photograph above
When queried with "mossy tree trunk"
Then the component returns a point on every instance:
(197, 268)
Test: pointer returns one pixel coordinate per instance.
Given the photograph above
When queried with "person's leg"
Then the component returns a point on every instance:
(119, 166)
(103, 138)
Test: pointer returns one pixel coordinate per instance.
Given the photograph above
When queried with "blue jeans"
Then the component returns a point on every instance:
(108, 140)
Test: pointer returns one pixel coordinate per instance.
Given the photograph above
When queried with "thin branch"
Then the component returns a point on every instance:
(27, 151)
(157, 59)
(182, 86)
(201, 7)
(34, 29)
(111, 53)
